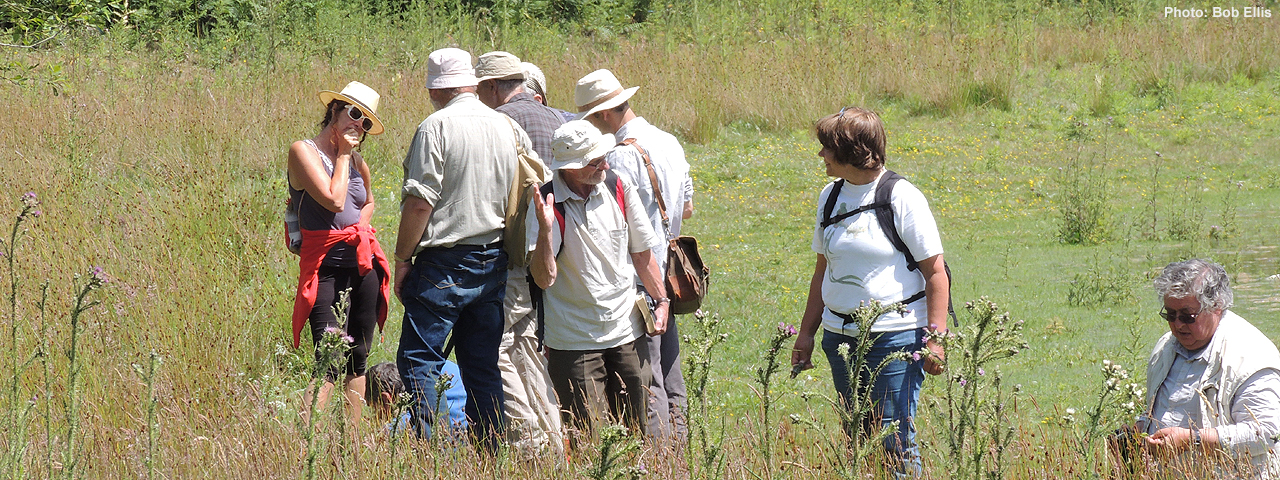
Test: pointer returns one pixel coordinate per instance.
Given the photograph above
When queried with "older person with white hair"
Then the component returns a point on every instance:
(1213, 381)
(592, 238)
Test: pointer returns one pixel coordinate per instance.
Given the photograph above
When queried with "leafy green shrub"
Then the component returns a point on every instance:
(1107, 281)
(1084, 202)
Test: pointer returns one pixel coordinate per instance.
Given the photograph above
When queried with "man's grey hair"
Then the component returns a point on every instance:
(1205, 280)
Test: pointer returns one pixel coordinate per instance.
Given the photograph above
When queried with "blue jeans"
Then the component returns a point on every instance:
(895, 393)
(457, 289)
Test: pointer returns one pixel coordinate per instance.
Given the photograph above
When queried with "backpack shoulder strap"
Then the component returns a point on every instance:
(831, 204)
(614, 183)
(548, 188)
(884, 214)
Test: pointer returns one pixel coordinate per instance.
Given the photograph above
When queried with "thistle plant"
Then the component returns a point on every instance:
(18, 414)
(699, 351)
(975, 406)
(96, 279)
(617, 452)
(1119, 401)
(764, 378)
(148, 375)
(857, 412)
(332, 347)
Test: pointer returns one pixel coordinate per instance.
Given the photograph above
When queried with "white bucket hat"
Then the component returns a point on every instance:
(360, 95)
(450, 68)
(498, 66)
(577, 143)
(599, 90)
(534, 79)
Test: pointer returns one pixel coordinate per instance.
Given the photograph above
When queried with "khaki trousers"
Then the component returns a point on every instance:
(533, 417)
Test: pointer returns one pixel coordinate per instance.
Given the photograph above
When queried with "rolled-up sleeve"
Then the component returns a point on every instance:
(1256, 413)
(423, 168)
(642, 235)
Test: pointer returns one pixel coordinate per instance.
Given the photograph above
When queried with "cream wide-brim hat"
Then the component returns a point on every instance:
(577, 143)
(360, 95)
(599, 90)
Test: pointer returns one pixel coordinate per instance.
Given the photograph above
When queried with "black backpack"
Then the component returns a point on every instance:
(614, 183)
(884, 215)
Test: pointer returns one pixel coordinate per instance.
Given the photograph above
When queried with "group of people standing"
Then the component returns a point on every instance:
(547, 330)
(555, 336)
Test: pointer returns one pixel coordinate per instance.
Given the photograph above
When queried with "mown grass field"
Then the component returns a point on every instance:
(163, 164)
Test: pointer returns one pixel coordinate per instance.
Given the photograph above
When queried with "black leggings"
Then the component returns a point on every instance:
(362, 316)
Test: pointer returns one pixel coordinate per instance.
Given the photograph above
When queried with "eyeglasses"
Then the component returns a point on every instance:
(357, 114)
(597, 163)
(1171, 315)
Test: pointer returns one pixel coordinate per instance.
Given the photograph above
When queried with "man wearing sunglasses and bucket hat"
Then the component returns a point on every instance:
(591, 241)
(1213, 383)
(451, 269)
(602, 100)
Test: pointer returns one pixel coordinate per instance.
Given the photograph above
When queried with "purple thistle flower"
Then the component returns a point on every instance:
(35, 213)
(963, 381)
(334, 330)
(348, 339)
(29, 196)
(981, 372)
(99, 274)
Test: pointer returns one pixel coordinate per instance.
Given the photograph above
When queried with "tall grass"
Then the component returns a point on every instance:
(160, 158)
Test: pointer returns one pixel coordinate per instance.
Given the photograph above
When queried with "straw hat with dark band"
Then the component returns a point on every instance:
(600, 90)
(360, 95)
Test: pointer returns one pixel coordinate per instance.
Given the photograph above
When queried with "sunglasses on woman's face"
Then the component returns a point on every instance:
(1171, 315)
(357, 114)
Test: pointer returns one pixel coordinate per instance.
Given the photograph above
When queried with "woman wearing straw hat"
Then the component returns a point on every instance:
(329, 183)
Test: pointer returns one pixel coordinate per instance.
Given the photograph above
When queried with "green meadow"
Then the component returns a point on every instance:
(1069, 150)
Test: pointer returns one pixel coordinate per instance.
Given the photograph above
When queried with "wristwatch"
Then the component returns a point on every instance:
(1196, 441)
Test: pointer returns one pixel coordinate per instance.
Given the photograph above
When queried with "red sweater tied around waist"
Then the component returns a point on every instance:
(315, 245)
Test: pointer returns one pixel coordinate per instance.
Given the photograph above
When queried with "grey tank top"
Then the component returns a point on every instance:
(312, 216)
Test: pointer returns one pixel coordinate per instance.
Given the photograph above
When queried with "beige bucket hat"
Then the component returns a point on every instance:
(577, 143)
(450, 68)
(599, 90)
(498, 66)
(360, 95)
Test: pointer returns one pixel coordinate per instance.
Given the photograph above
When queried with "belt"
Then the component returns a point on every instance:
(469, 248)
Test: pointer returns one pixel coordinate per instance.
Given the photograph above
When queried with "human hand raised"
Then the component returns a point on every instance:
(546, 210)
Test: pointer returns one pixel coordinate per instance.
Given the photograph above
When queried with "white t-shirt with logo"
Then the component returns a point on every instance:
(863, 265)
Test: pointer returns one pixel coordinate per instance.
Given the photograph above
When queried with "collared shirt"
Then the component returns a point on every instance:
(591, 305)
(669, 166)
(1255, 408)
(461, 162)
(538, 121)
